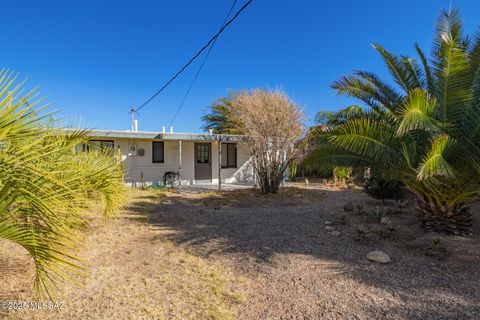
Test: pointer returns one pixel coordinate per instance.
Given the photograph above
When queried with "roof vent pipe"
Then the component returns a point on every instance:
(164, 130)
(171, 129)
(210, 131)
(135, 125)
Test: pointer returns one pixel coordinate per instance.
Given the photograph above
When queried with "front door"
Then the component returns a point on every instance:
(203, 161)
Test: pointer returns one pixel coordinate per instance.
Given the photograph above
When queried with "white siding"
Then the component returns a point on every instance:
(134, 166)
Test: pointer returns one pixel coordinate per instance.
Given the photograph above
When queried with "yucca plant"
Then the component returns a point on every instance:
(422, 130)
(46, 186)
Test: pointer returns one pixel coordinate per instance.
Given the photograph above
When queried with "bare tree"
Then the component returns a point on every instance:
(271, 123)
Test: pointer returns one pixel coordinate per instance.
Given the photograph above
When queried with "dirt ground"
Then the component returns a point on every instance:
(240, 254)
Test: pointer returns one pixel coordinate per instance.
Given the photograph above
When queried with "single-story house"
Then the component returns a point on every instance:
(197, 158)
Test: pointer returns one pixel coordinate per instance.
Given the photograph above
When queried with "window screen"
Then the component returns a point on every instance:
(229, 155)
(157, 154)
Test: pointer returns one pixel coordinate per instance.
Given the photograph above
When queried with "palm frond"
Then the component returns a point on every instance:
(429, 79)
(418, 113)
(474, 52)
(45, 187)
(435, 163)
(415, 74)
(367, 138)
(385, 94)
(451, 67)
(358, 87)
(327, 153)
(397, 68)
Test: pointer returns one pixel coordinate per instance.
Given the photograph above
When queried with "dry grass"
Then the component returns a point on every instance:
(240, 254)
(133, 273)
(287, 196)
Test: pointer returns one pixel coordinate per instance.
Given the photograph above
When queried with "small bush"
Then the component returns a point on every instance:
(379, 213)
(361, 233)
(342, 175)
(380, 188)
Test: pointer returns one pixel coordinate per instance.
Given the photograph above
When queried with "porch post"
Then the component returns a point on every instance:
(180, 161)
(220, 164)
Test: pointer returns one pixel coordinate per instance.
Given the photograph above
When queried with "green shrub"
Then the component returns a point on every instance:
(379, 188)
(342, 175)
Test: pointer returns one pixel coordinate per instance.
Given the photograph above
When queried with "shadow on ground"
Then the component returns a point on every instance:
(280, 241)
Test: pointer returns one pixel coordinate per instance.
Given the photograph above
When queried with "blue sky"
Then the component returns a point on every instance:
(95, 59)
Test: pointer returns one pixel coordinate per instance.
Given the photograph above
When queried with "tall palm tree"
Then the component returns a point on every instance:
(46, 186)
(424, 129)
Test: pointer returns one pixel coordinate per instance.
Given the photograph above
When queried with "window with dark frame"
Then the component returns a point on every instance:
(158, 152)
(229, 155)
(95, 145)
(102, 144)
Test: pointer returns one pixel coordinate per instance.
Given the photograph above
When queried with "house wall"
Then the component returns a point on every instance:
(153, 173)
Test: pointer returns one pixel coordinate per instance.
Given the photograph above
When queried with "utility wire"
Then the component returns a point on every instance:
(197, 54)
(200, 67)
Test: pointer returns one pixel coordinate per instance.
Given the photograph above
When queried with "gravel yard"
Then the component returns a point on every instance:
(301, 271)
(240, 254)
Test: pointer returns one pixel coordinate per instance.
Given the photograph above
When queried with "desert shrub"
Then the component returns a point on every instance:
(379, 188)
(271, 124)
(342, 175)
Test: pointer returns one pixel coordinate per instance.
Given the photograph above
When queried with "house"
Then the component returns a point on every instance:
(197, 158)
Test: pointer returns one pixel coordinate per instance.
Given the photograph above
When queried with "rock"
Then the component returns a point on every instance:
(335, 233)
(378, 256)
(348, 206)
(387, 222)
(328, 223)
(329, 228)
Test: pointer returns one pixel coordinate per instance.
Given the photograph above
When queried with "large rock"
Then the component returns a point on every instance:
(335, 233)
(348, 206)
(329, 228)
(378, 256)
(387, 222)
(328, 223)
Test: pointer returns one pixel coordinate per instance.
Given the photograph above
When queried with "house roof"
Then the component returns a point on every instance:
(125, 134)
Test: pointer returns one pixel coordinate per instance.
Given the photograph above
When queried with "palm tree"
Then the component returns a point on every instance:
(424, 129)
(46, 187)
(219, 117)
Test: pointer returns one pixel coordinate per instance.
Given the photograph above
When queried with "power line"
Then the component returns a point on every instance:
(200, 67)
(197, 54)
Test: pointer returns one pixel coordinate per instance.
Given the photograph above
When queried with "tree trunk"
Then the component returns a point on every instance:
(445, 219)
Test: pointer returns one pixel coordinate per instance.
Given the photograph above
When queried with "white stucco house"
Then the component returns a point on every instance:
(198, 158)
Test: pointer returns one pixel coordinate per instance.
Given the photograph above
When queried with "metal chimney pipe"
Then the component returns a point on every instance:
(164, 130)
(171, 129)
(135, 125)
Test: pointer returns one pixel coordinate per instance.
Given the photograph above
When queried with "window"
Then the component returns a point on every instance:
(203, 153)
(229, 155)
(95, 145)
(101, 144)
(157, 152)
